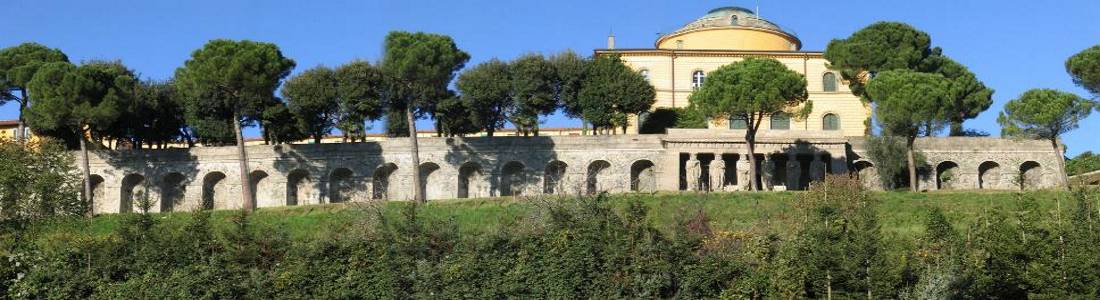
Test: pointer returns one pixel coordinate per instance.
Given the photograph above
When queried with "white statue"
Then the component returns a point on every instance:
(693, 174)
(717, 172)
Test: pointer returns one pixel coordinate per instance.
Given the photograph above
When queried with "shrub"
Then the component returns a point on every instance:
(831, 245)
(661, 119)
(888, 154)
(1083, 163)
(37, 181)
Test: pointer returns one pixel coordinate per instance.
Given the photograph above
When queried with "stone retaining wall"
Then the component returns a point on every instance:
(208, 178)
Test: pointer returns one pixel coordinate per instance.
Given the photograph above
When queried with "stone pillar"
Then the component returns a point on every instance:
(693, 170)
(817, 168)
(794, 171)
(668, 175)
(717, 172)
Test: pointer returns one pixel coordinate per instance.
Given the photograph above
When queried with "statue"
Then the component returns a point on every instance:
(693, 174)
(717, 172)
(767, 169)
(817, 169)
(794, 173)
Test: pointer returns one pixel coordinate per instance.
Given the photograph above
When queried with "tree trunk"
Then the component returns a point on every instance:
(187, 137)
(909, 157)
(418, 194)
(1061, 163)
(242, 158)
(21, 135)
(750, 140)
(86, 170)
(535, 129)
(317, 139)
(956, 128)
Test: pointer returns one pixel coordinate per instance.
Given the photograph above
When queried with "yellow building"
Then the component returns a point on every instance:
(9, 128)
(680, 60)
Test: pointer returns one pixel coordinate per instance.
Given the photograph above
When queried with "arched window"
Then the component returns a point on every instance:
(738, 123)
(697, 78)
(645, 74)
(733, 20)
(828, 82)
(830, 122)
(781, 121)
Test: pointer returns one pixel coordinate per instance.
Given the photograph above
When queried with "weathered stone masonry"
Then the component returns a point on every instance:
(207, 178)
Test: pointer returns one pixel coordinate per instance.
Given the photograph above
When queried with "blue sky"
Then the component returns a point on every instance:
(1011, 45)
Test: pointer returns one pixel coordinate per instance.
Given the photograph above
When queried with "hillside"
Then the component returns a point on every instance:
(901, 213)
(834, 240)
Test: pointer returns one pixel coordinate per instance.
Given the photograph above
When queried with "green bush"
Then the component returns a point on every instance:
(661, 119)
(1083, 163)
(889, 156)
(830, 245)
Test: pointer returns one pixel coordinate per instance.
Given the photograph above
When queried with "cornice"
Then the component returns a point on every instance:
(785, 35)
(708, 53)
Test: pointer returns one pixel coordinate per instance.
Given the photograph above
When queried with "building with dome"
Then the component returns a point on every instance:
(789, 153)
(679, 62)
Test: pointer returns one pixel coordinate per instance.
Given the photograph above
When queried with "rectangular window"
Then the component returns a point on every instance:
(738, 123)
(781, 121)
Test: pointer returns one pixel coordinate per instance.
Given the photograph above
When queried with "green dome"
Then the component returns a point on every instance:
(732, 16)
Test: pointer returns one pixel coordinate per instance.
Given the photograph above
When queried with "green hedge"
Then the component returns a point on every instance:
(830, 244)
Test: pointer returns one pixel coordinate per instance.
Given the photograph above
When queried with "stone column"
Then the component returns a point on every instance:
(794, 171)
(817, 168)
(717, 172)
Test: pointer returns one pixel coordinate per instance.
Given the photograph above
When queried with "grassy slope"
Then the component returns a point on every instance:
(902, 213)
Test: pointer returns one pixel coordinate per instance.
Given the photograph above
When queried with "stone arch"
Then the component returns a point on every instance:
(1031, 175)
(97, 194)
(341, 185)
(299, 188)
(430, 174)
(597, 178)
(382, 180)
(513, 179)
(214, 191)
(989, 175)
(866, 173)
(947, 175)
(553, 177)
(172, 190)
(262, 190)
(133, 190)
(643, 177)
(469, 180)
